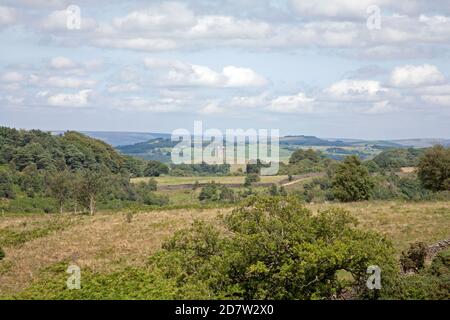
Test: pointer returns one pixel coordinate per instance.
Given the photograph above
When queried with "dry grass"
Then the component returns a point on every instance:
(107, 242)
(403, 222)
(102, 243)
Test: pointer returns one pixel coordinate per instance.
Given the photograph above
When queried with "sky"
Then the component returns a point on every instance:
(371, 69)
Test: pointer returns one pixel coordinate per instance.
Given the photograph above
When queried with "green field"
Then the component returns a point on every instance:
(170, 180)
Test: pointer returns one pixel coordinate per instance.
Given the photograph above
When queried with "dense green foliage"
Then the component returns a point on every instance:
(276, 250)
(217, 192)
(434, 169)
(306, 161)
(155, 169)
(351, 181)
(431, 283)
(2, 254)
(397, 158)
(40, 172)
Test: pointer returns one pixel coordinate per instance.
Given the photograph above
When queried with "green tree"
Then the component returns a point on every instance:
(59, 185)
(92, 184)
(351, 181)
(251, 178)
(300, 154)
(6, 184)
(155, 169)
(434, 168)
(274, 248)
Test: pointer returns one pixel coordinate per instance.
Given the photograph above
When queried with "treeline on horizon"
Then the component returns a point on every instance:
(41, 172)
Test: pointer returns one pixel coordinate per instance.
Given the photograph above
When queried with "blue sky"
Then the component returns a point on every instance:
(304, 67)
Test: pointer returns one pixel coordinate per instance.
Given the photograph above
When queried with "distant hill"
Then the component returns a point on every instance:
(121, 138)
(422, 143)
(310, 141)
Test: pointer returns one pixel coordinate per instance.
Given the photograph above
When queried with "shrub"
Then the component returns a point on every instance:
(155, 169)
(251, 178)
(351, 181)
(274, 248)
(414, 258)
(2, 254)
(434, 169)
(153, 199)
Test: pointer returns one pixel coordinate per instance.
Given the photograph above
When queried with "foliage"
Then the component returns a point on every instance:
(300, 154)
(434, 168)
(251, 178)
(202, 169)
(216, 192)
(431, 283)
(2, 254)
(155, 169)
(414, 258)
(275, 249)
(397, 158)
(71, 150)
(351, 181)
(6, 184)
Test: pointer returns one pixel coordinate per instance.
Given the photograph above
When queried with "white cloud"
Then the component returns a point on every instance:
(356, 9)
(124, 87)
(144, 44)
(61, 82)
(250, 101)
(440, 100)
(79, 99)
(380, 107)
(11, 76)
(242, 77)
(413, 76)
(62, 63)
(57, 21)
(355, 90)
(298, 103)
(221, 27)
(186, 74)
(211, 108)
(163, 105)
(167, 15)
(8, 16)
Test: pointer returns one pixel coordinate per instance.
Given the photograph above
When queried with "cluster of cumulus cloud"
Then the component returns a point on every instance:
(415, 29)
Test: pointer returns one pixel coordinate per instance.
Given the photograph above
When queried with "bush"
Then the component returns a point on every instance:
(273, 248)
(251, 178)
(153, 199)
(2, 254)
(434, 169)
(351, 181)
(217, 192)
(414, 258)
(155, 169)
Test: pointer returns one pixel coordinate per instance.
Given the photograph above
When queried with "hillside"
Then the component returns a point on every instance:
(74, 150)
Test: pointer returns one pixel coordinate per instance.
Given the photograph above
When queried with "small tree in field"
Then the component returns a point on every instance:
(351, 181)
(434, 169)
(59, 186)
(91, 185)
